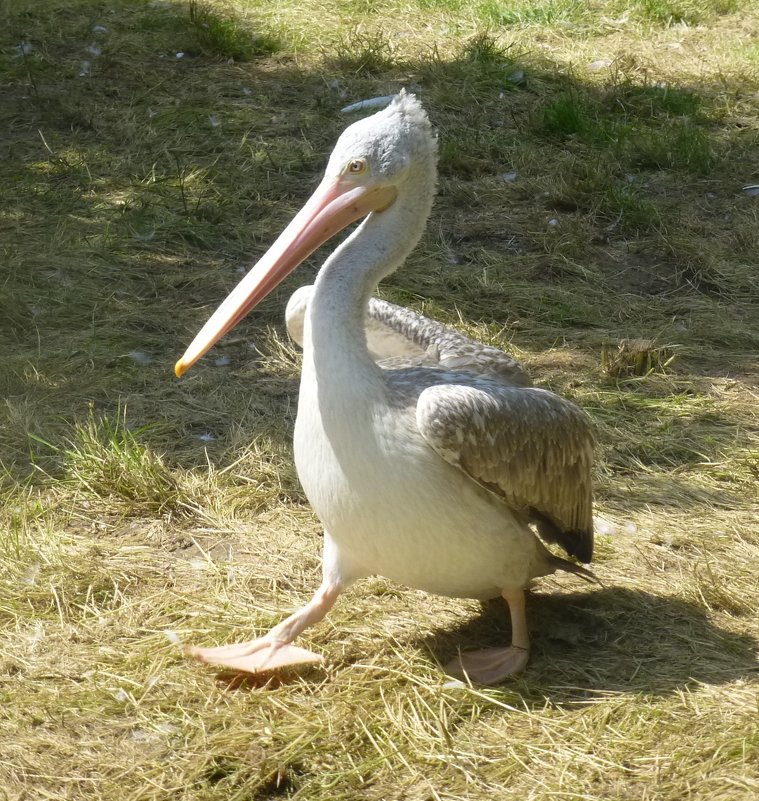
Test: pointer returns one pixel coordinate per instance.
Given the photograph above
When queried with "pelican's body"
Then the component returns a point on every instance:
(429, 474)
(420, 495)
(393, 507)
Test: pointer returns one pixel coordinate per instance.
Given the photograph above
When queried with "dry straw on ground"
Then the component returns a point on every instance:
(593, 156)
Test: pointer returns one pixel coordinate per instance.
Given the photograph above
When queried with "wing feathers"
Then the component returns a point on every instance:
(528, 446)
(443, 346)
(399, 338)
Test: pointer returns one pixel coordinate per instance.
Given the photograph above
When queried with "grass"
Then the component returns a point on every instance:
(221, 35)
(363, 54)
(548, 12)
(590, 220)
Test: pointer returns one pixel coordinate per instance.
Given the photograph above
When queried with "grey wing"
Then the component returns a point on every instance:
(529, 447)
(390, 330)
(398, 337)
(440, 345)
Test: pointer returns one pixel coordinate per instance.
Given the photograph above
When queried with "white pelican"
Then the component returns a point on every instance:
(428, 475)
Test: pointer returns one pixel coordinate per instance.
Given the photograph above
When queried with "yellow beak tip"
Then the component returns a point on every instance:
(180, 368)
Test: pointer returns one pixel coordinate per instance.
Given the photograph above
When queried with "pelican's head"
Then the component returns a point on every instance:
(372, 163)
(386, 147)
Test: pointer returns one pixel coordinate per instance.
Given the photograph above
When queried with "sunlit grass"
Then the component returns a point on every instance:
(543, 12)
(107, 461)
(670, 12)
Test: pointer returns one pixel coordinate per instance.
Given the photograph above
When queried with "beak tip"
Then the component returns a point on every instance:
(180, 368)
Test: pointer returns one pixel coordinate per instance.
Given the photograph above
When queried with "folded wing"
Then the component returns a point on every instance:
(398, 337)
(531, 448)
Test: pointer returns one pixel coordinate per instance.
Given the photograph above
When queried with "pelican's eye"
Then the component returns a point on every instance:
(356, 166)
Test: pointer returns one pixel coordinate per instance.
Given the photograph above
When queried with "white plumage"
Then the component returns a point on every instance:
(430, 470)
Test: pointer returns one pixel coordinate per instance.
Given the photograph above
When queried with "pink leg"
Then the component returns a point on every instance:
(493, 664)
(275, 649)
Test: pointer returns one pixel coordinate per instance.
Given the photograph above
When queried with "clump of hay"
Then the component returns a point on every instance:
(636, 357)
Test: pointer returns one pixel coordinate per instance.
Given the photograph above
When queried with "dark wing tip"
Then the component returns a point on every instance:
(576, 542)
(579, 544)
(570, 567)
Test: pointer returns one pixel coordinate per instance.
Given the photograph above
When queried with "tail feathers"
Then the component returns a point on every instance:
(571, 567)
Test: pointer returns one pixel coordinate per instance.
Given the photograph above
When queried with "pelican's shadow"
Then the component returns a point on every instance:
(610, 640)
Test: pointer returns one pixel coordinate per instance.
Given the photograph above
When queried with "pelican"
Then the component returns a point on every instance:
(436, 476)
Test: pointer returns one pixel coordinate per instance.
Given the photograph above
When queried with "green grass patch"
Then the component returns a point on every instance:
(363, 54)
(688, 12)
(682, 146)
(486, 55)
(628, 210)
(107, 460)
(566, 116)
(627, 123)
(443, 5)
(543, 12)
(222, 36)
(652, 100)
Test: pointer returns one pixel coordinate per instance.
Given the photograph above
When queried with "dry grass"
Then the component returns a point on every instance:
(593, 156)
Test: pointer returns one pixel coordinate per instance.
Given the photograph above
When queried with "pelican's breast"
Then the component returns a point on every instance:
(395, 507)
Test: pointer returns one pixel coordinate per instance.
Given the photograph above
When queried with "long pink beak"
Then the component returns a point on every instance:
(334, 205)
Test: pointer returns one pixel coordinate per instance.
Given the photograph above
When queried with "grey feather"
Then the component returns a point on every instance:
(528, 446)
(400, 338)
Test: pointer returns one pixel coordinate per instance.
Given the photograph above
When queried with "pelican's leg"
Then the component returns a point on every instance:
(275, 649)
(493, 664)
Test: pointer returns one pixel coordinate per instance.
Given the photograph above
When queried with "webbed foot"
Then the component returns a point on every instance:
(490, 665)
(256, 656)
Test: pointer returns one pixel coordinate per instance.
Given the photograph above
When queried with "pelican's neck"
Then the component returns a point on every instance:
(336, 334)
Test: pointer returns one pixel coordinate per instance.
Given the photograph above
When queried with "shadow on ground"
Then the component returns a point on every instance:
(615, 640)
